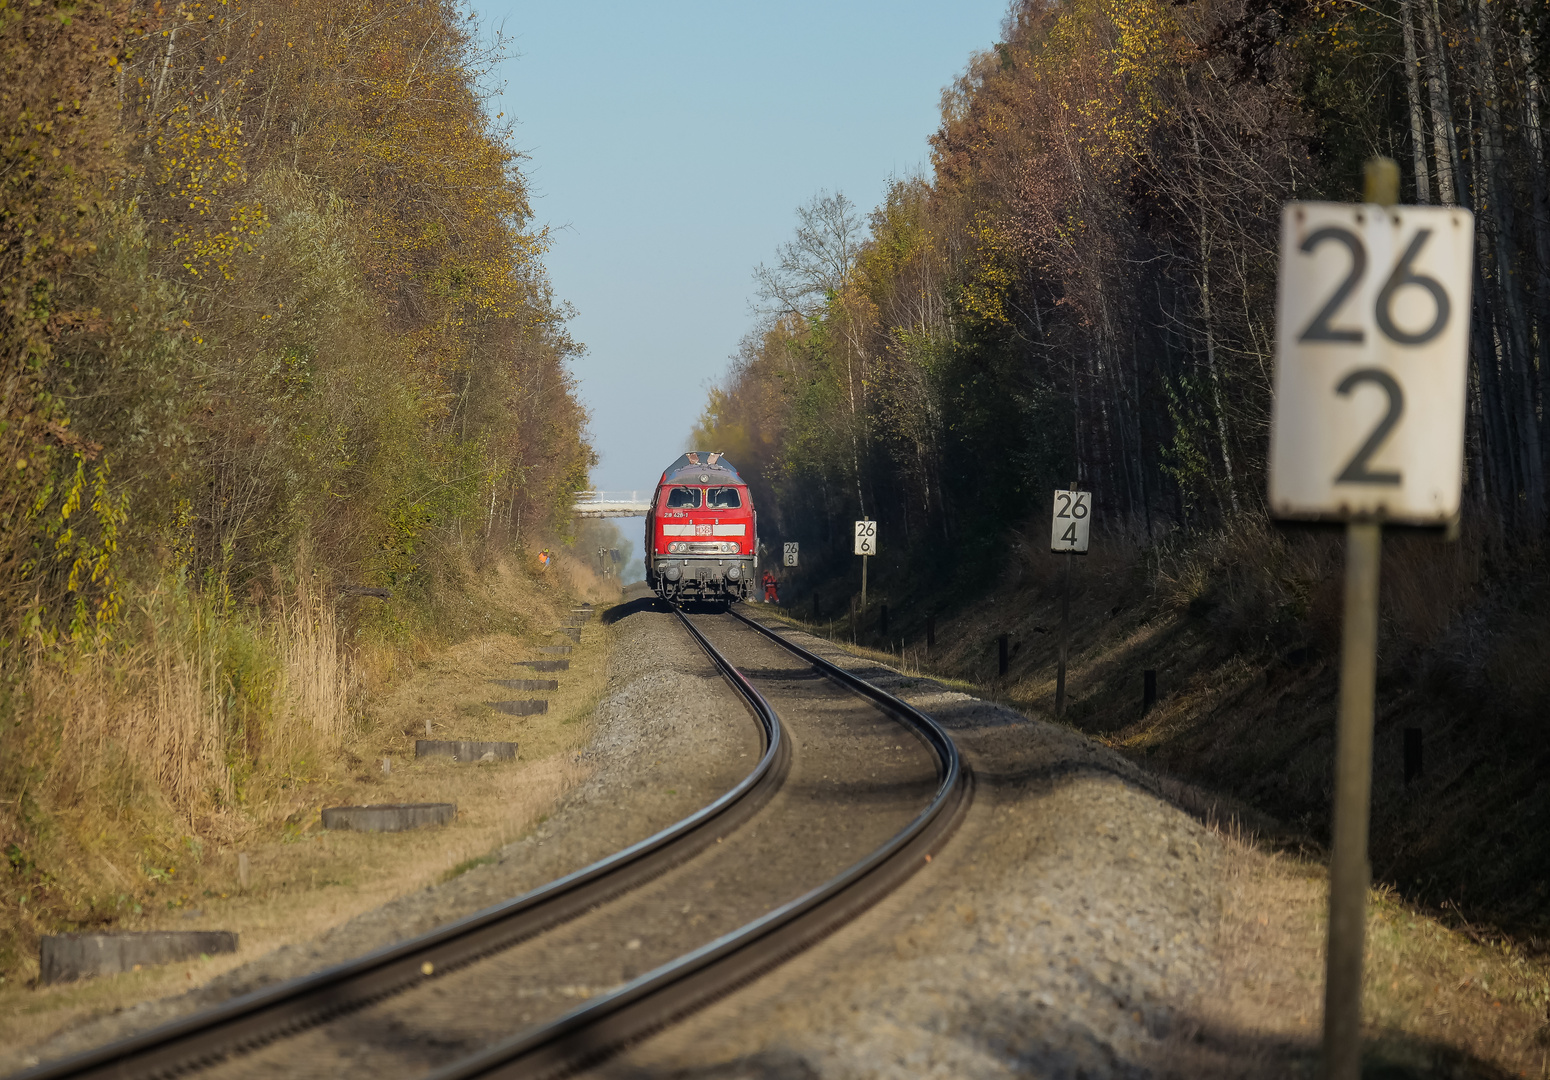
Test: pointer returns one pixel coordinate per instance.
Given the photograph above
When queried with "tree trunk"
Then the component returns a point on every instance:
(1423, 187)
(1450, 174)
(1204, 240)
(1513, 325)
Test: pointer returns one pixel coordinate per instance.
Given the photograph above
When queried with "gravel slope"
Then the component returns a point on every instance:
(1065, 931)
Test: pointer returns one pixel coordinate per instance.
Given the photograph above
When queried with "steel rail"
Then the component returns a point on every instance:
(211, 1035)
(602, 1025)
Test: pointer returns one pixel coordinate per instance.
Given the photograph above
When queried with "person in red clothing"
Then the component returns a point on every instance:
(770, 595)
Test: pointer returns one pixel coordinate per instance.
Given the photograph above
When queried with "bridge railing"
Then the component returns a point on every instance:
(634, 497)
(612, 503)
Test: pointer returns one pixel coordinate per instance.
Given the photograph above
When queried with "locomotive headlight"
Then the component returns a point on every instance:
(729, 548)
(677, 547)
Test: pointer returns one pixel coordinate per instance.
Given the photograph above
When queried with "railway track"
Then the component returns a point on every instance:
(298, 1025)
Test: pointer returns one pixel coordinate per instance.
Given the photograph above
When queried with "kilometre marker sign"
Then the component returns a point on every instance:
(1371, 364)
(1071, 523)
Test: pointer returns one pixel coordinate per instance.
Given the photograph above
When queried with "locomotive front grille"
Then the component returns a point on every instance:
(704, 547)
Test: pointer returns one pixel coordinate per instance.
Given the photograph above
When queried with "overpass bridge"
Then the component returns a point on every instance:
(607, 504)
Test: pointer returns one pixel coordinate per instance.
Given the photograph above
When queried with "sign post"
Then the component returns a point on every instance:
(866, 547)
(791, 554)
(1069, 528)
(1367, 427)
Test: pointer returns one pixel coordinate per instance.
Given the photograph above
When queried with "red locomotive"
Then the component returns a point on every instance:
(701, 532)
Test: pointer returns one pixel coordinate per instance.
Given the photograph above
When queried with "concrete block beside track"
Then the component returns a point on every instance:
(556, 650)
(65, 957)
(465, 750)
(545, 665)
(528, 684)
(389, 817)
(531, 707)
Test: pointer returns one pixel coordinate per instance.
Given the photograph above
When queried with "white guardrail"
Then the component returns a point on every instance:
(612, 503)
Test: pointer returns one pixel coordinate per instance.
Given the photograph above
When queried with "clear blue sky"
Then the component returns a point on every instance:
(670, 144)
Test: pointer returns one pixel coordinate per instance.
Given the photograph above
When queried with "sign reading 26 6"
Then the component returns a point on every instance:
(1371, 362)
(866, 538)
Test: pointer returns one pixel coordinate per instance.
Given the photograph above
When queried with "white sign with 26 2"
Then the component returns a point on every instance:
(1372, 327)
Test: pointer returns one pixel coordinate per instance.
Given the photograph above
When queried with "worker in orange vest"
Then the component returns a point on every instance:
(770, 595)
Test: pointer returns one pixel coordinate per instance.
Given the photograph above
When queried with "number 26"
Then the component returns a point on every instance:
(1079, 511)
(1403, 274)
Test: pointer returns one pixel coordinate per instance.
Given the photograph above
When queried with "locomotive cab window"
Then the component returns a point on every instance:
(683, 498)
(722, 498)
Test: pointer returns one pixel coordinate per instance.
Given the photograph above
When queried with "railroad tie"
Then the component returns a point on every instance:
(465, 750)
(528, 684)
(67, 957)
(545, 665)
(388, 817)
(531, 707)
(556, 650)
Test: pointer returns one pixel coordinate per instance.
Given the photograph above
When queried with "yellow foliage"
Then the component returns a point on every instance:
(199, 160)
(990, 275)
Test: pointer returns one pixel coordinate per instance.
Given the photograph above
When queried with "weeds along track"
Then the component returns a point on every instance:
(851, 793)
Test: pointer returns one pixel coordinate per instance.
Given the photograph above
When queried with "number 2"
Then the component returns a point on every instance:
(1319, 329)
(1356, 471)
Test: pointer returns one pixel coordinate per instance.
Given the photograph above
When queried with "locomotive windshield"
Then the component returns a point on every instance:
(722, 498)
(683, 498)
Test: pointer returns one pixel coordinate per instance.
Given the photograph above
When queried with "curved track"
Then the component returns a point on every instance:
(627, 1012)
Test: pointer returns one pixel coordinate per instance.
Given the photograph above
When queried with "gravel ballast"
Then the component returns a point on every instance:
(1065, 931)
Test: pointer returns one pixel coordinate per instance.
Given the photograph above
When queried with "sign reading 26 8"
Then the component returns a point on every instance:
(1371, 342)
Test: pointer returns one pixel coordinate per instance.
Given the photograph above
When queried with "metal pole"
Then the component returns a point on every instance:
(864, 559)
(1065, 637)
(1349, 872)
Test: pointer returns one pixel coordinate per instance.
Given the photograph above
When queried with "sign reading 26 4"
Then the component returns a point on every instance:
(1371, 342)
(1071, 523)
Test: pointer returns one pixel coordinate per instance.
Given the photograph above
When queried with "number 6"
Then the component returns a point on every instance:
(1401, 277)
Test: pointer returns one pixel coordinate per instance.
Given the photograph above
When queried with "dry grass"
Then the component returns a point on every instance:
(130, 774)
(1437, 1001)
(305, 879)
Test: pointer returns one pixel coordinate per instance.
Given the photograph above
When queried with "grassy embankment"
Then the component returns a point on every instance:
(116, 851)
(1243, 632)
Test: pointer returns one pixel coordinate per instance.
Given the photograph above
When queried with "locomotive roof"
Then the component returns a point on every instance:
(701, 467)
